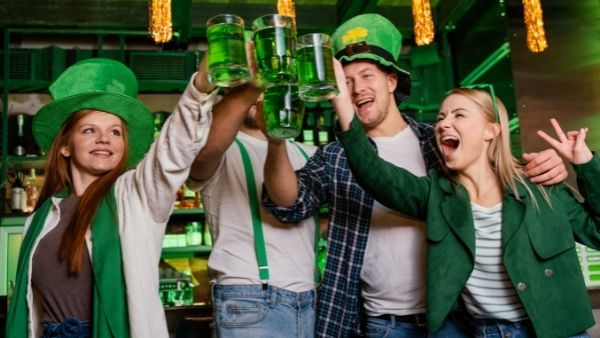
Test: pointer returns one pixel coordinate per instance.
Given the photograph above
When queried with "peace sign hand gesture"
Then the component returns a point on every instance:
(571, 146)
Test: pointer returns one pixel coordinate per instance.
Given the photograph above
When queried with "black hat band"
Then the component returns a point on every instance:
(363, 47)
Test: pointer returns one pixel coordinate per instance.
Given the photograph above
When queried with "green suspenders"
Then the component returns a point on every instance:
(259, 239)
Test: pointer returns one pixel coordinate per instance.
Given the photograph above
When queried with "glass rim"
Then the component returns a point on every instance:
(228, 17)
(277, 20)
(325, 39)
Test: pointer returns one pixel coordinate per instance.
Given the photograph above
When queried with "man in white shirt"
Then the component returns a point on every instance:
(249, 302)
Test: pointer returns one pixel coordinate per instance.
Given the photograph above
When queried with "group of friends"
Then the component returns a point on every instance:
(433, 230)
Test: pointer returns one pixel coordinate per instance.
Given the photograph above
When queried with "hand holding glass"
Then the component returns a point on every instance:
(226, 51)
(316, 77)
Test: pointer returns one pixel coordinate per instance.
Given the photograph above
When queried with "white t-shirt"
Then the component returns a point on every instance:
(393, 271)
(289, 247)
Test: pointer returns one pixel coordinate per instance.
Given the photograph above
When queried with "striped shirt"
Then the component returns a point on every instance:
(489, 292)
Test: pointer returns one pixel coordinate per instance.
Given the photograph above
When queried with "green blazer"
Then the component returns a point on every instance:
(538, 242)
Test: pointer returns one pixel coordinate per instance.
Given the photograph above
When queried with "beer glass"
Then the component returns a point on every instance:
(283, 110)
(274, 45)
(227, 62)
(316, 77)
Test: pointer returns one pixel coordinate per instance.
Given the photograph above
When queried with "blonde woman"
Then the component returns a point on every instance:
(498, 245)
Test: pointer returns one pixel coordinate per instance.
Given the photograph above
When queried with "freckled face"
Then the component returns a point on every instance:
(97, 144)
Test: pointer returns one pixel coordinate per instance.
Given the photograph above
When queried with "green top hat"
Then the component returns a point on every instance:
(98, 84)
(372, 37)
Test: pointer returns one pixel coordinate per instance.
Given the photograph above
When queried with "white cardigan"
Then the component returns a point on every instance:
(145, 197)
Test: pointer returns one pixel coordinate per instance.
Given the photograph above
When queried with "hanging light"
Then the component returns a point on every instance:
(287, 8)
(160, 25)
(424, 33)
(534, 23)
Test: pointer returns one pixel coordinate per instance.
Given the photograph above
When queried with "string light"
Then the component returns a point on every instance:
(424, 33)
(287, 8)
(534, 23)
(160, 25)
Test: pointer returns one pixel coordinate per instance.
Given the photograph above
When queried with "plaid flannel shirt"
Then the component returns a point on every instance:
(326, 179)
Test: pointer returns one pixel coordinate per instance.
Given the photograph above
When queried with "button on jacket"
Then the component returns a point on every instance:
(538, 242)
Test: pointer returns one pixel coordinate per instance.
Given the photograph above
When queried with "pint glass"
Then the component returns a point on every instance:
(316, 76)
(227, 62)
(283, 111)
(274, 45)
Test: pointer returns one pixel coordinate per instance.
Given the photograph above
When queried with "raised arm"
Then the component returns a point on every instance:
(228, 116)
(584, 217)
(392, 186)
(280, 178)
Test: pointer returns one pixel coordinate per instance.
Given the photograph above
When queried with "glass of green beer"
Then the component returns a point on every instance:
(227, 64)
(283, 110)
(274, 46)
(316, 77)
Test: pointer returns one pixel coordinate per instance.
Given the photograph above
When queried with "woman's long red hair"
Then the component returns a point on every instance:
(58, 176)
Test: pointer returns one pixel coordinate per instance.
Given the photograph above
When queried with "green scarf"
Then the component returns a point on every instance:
(110, 304)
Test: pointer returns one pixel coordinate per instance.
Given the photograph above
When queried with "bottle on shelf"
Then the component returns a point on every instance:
(18, 198)
(32, 191)
(158, 122)
(19, 148)
(308, 133)
(206, 237)
(322, 131)
(190, 199)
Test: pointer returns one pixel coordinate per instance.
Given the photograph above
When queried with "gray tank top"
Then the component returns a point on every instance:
(61, 294)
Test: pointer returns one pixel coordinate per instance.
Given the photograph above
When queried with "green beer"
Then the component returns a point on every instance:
(283, 111)
(274, 43)
(226, 52)
(316, 76)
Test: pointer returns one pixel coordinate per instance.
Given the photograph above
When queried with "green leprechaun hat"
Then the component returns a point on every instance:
(98, 84)
(372, 37)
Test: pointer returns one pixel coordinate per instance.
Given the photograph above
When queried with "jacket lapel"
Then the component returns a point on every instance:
(513, 213)
(456, 208)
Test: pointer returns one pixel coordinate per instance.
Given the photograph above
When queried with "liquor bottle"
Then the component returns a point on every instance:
(206, 237)
(19, 149)
(308, 133)
(158, 122)
(9, 293)
(32, 191)
(18, 198)
(322, 131)
(189, 199)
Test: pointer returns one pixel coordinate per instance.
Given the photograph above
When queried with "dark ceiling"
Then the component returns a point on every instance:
(190, 16)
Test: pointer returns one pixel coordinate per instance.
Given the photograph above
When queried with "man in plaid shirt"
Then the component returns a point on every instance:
(375, 272)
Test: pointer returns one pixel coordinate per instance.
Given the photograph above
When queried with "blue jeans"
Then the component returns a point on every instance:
(490, 328)
(68, 328)
(390, 328)
(248, 311)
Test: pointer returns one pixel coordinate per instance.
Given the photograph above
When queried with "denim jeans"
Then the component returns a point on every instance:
(390, 328)
(489, 328)
(248, 311)
(68, 328)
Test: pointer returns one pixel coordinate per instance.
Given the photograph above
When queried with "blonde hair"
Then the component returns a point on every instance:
(505, 165)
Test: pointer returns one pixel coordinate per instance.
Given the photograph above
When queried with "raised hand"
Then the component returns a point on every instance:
(571, 145)
(201, 81)
(342, 103)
